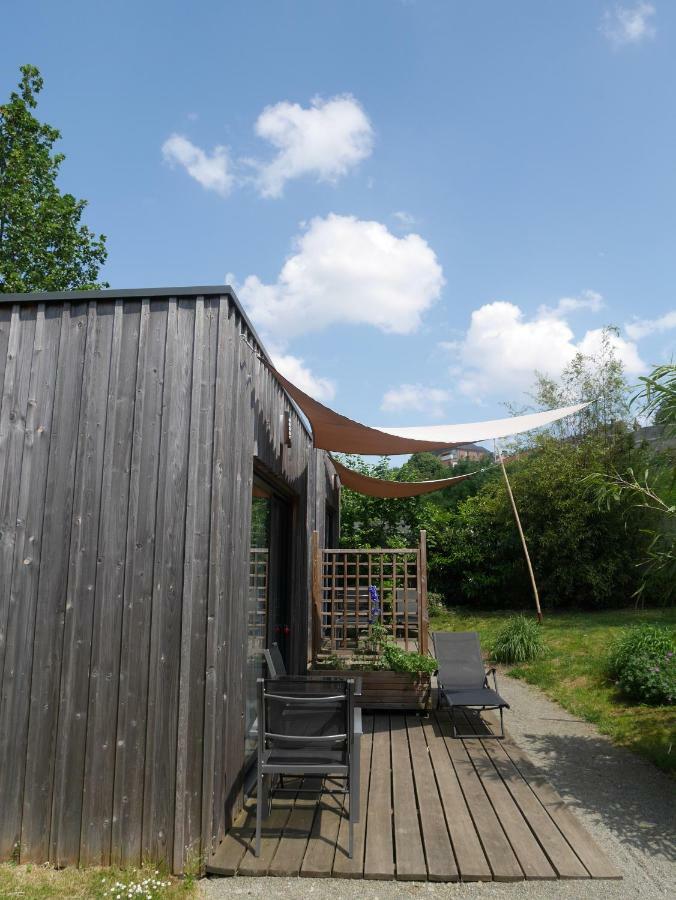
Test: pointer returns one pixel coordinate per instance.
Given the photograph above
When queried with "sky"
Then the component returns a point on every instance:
(418, 202)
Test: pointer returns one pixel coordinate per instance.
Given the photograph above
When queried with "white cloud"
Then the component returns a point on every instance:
(624, 25)
(644, 327)
(212, 171)
(404, 218)
(346, 271)
(590, 300)
(326, 140)
(416, 397)
(293, 368)
(503, 348)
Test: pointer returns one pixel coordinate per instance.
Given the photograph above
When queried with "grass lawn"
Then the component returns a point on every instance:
(572, 673)
(35, 882)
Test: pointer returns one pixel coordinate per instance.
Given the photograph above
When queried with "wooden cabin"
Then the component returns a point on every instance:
(158, 492)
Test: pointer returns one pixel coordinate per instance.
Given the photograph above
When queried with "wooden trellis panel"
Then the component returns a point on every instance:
(355, 589)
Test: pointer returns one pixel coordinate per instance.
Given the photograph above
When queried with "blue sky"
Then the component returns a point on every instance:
(419, 202)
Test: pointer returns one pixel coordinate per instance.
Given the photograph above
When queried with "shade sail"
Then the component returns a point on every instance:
(331, 431)
(380, 487)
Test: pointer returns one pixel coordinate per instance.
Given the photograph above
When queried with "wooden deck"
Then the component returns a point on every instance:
(433, 809)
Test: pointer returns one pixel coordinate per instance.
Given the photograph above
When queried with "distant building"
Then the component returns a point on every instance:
(655, 436)
(451, 456)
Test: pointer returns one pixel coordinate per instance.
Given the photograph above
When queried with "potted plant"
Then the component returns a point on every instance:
(392, 677)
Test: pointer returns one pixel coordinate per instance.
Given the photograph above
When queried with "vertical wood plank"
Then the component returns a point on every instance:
(213, 710)
(234, 636)
(12, 430)
(187, 833)
(52, 586)
(74, 691)
(14, 701)
(5, 325)
(165, 636)
(138, 588)
(316, 595)
(423, 615)
(97, 810)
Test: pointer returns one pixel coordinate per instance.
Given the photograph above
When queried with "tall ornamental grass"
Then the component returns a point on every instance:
(519, 640)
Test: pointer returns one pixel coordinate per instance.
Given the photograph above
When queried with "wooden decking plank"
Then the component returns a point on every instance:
(343, 866)
(226, 858)
(410, 856)
(471, 859)
(441, 864)
(498, 850)
(321, 848)
(559, 852)
(529, 853)
(590, 854)
(293, 844)
(270, 837)
(379, 857)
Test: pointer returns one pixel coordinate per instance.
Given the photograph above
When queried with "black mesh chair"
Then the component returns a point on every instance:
(275, 661)
(462, 677)
(307, 726)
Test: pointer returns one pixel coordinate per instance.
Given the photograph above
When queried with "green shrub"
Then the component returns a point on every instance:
(643, 665)
(399, 660)
(519, 640)
(435, 603)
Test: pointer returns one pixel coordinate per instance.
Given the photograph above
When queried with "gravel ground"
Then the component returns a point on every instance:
(627, 804)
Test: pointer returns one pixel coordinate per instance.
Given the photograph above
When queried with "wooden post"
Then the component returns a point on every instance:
(316, 595)
(522, 535)
(423, 618)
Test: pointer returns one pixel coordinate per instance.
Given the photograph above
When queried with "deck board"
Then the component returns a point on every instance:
(409, 852)
(343, 866)
(379, 859)
(471, 859)
(441, 864)
(433, 807)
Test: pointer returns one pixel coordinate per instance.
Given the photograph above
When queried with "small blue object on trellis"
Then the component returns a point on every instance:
(375, 603)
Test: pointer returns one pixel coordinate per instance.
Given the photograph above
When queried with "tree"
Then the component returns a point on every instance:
(582, 554)
(648, 487)
(375, 522)
(598, 377)
(43, 246)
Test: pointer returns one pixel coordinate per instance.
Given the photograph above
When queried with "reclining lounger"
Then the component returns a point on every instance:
(463, 680)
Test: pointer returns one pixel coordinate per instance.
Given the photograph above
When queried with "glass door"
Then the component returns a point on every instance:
(267, 599)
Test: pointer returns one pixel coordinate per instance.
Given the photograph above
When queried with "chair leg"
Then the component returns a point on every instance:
(259, 813)
(354, 814)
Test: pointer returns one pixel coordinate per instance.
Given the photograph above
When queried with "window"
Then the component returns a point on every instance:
(257, 604)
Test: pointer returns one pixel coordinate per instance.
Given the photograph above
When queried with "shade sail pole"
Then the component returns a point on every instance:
(522, 535)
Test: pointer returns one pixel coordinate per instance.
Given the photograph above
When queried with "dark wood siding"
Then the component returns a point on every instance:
(128, 432)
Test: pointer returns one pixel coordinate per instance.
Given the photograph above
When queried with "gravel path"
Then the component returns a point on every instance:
(627, 804)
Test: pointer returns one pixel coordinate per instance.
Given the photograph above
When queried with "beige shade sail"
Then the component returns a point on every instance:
(381, 487)
(331, 431)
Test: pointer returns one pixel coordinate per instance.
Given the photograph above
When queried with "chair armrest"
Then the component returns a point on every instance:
(492, 671)
(358, 727)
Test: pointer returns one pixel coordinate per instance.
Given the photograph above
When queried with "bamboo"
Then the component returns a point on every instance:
(522, 535)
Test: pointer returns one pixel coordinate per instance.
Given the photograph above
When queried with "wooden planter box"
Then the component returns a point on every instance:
(388, 690)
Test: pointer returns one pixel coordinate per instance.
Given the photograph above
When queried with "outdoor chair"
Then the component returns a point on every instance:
(277, 668)
(463, 679)
(275, 662)
(291, 742)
